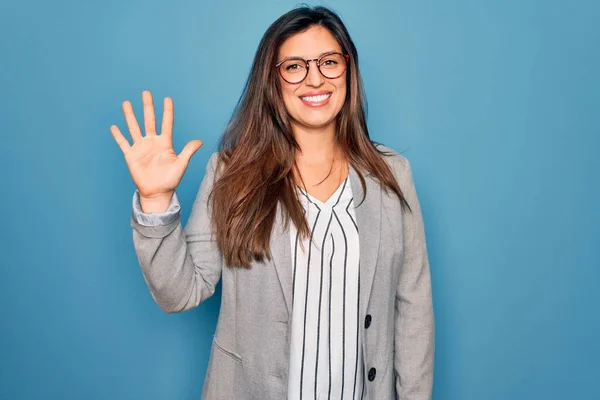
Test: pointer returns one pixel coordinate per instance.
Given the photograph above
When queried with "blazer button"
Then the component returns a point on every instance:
(372, 373)
(367, 321)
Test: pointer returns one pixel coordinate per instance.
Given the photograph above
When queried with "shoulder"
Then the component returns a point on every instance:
(398, 163)
(213, 163)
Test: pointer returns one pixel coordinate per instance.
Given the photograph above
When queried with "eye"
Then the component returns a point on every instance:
(293, 67)
(332, 61)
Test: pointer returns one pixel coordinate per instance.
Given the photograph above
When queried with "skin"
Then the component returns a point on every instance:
(314, 127)
(157, 170)
(154, 166)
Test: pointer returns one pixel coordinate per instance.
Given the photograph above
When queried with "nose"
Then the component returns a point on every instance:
(314, 77)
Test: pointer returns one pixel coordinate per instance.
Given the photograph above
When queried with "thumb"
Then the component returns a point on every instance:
(189, 150)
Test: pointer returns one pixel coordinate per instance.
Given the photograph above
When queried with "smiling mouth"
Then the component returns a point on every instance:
(317, 100)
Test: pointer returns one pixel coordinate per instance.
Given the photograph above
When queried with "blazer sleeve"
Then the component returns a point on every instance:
(414, 322)
(181, 266)
(155, 219)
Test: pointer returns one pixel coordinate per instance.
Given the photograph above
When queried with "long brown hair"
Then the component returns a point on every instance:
(257, 149)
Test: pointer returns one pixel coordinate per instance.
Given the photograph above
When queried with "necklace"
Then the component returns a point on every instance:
(329, 174)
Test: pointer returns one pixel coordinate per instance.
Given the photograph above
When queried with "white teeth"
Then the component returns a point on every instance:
(316, 99)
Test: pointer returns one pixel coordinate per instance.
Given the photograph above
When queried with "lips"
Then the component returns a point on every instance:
(316, 99)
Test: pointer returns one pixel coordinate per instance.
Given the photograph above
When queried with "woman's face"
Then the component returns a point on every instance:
(316, 101)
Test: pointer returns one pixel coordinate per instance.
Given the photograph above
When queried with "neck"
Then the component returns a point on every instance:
(320, 157)
(317, 145)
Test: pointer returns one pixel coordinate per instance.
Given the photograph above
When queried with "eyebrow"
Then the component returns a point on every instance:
(319, 56)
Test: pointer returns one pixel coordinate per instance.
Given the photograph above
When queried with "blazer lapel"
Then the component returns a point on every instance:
(368, 220)
(282, 256)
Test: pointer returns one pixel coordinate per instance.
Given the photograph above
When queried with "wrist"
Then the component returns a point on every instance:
(156, 203)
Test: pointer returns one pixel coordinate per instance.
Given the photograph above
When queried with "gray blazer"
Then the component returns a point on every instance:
(250, 350)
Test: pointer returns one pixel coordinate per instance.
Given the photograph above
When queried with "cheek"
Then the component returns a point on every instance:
(341, 93)
(288, 97)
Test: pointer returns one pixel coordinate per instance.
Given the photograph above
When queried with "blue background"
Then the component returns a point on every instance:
(494, 103)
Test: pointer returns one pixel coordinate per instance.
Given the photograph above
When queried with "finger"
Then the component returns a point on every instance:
(167, 120)
(149, 118)
(120, 139)
(189, 150)
(134, 128)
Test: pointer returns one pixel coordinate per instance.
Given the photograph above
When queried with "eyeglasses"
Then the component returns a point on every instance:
(330, 65)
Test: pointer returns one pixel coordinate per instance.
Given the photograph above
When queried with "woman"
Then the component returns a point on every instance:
(315, 231)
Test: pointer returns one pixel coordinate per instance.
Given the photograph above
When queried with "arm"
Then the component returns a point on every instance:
(180, 265)
(414, 323)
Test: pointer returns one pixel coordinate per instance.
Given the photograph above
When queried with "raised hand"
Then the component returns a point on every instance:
(153, 165)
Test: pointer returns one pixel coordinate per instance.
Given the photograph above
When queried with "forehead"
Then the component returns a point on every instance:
(309, 44)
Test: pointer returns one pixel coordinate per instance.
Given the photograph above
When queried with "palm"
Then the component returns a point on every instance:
(153, 164)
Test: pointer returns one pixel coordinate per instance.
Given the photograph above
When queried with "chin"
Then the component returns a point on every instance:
(315, 123)
(315, 119)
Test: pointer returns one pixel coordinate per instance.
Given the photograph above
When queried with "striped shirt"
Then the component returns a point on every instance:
(326, 355)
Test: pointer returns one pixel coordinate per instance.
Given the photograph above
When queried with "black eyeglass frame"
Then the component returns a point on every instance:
(307, 62)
